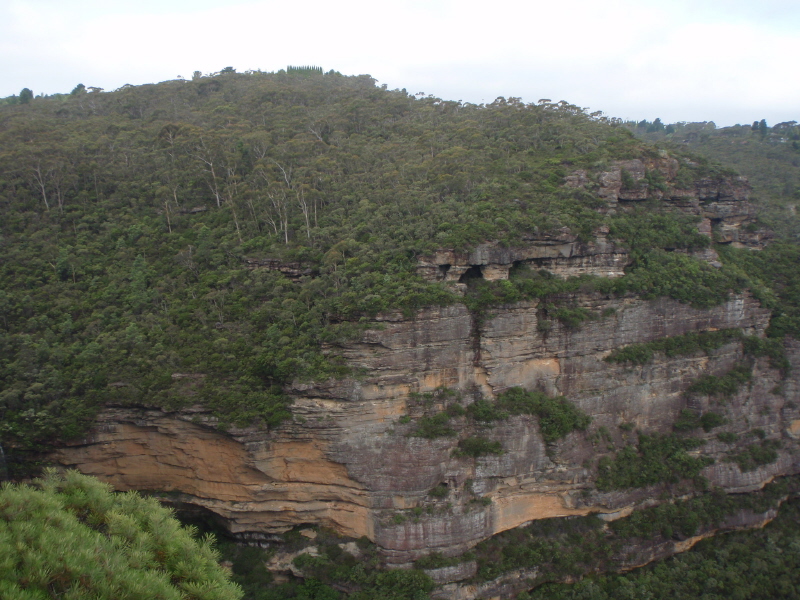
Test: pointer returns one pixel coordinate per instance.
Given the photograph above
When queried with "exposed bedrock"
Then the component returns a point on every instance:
(634, 554)
(722, 204)
(561, 254)
(347, 459)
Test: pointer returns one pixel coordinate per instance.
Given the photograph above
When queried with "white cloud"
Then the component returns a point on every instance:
(723, 61)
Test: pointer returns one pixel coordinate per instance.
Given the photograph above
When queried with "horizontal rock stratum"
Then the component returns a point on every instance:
(349, 458)
(347, 461)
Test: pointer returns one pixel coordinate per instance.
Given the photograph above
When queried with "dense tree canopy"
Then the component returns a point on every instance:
(214, 240)
(768, 156)
(130, 222)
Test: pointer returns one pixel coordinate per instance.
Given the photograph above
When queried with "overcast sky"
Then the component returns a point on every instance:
(728, 61)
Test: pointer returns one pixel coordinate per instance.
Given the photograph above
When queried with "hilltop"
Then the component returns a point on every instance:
(367, 329)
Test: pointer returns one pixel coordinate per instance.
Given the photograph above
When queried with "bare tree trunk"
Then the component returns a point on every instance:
(253, 214)
(287, 177)
(209, 162)
(40, 179)
(279, 204)
(235, 220)
(59, 198)
(166, 211)
(301, 200)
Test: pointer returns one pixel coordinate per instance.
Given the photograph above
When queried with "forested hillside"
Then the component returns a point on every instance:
(130, 218)
(768, 155)
(226, 240)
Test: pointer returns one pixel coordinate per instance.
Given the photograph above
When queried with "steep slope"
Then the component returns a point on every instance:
(293, 301)
(768, 156)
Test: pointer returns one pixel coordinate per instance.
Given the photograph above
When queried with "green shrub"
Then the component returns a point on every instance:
(710, 420)
(656, 459)
(756, 455)
(434, 427)
(573, 317)
(690, 420)
(557, 415)
(439, 491)
(478, 446)
(485, 411)
(772, 348)
(679, 345)
(687, 421)
(723, 386)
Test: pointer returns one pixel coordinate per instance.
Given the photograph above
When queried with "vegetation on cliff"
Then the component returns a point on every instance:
(231, 227)
(216, 241)
(763, 563)
(556, 416)
(655, 459)
(767, 155)
(131, 220)
(333, 568)
(551, 550)
(554, 550)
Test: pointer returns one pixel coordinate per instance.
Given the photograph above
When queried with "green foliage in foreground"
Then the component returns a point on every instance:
(71, 537)
(656, 459)
(761, 564)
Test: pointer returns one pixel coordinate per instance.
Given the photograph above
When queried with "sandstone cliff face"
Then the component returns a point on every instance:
(563, 255)
(632, 555)
(349, 460)
(722, 204)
